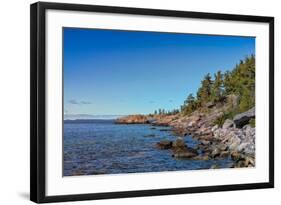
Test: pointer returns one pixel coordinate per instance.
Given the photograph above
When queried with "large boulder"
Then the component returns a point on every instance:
(243, 118)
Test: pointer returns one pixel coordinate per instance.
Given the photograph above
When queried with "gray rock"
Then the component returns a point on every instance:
(205, 142)
(214, 128)
(227, 124)
(247, 127)
(242, 147)
(243, 118)
(234, 145)
(222, 147)
(215, 152)
(250, 148)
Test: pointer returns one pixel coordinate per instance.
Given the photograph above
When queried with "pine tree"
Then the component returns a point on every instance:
(241, 82)
(204, 92)
(217, 88)
(189, 105)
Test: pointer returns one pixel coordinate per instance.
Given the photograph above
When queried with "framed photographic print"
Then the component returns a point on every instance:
(129, 102)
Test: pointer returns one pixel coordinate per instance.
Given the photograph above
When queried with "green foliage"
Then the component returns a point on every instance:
(204, 92)
(239, 82)
(164, 112)
(227, 115)
(217, 88)
(219, 121)
(190, 105)
(161, 112)
(252, 122)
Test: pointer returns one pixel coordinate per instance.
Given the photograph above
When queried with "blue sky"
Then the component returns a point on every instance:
(110, 72)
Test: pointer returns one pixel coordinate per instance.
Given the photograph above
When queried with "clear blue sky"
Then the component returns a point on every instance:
(127, 72)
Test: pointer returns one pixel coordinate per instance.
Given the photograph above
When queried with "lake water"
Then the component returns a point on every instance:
(102, 147)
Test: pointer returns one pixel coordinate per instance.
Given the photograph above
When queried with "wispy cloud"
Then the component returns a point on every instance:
(75, 102)
(85, 102)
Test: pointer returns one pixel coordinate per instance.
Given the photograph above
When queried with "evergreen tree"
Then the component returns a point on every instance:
(204, 92)
(241, 82)
(189, 105)
(217, 88)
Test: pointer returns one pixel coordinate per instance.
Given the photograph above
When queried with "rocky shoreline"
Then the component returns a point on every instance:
(234, 139)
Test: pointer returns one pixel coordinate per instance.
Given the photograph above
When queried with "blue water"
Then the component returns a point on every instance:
(102, 147)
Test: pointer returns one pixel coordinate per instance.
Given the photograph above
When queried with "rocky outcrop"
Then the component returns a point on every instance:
(243, 118)
(181, 150)
(228, 141)
(178, 148)
(235, 139)
(163, 120)
(240, 140)
(134, 119)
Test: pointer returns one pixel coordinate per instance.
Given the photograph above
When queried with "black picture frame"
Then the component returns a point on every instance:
(38, 101)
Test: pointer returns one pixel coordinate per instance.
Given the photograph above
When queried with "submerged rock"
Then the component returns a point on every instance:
(165, 144)
(203, 157)
(150, 135)
(164, 130)
(181, 150)
(184, 154)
